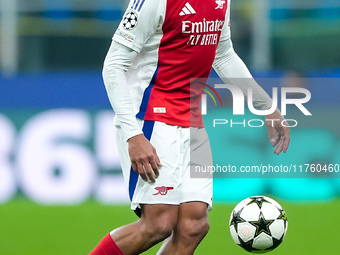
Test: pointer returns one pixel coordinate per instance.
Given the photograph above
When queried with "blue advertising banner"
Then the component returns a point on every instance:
(58, 143)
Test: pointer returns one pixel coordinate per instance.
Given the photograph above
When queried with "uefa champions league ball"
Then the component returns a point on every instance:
(258, 224)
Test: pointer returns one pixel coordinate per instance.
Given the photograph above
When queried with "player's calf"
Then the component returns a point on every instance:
(192, 226)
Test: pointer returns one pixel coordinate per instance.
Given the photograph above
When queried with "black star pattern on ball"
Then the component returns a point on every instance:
(236, 218)
(262, 225)
(258, 200)
(276, 243)
(283, 215)
(248, 246)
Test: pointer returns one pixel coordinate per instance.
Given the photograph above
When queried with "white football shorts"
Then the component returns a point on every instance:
(178, 148)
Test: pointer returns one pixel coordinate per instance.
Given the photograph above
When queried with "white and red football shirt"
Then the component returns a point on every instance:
(176, 42)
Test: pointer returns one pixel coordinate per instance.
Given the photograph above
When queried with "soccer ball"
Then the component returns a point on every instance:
(258, 224)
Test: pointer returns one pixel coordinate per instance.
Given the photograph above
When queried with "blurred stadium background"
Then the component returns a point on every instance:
(61, 188)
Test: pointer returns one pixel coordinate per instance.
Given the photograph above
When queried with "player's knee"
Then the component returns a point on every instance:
(158, 221)
(195, 229)
(201, 228)
(158, 231)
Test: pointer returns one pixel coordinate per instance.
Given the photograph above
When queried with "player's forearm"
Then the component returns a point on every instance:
(117, 62)
(231, 69)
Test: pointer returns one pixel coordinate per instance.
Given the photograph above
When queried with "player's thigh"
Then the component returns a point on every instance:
(159, 218)
(194, 210)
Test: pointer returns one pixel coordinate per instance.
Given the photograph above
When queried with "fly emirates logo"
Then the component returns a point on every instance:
(203, 32)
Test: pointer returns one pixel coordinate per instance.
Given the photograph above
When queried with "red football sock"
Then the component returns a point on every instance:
(107, 247)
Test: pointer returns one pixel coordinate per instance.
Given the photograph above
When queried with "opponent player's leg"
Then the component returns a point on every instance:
(192, 226)
(156, 224)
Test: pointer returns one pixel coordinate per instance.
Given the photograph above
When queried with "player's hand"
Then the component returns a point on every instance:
(144, 158)
(278, 134)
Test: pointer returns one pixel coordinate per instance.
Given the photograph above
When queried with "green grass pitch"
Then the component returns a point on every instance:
(30, 229)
